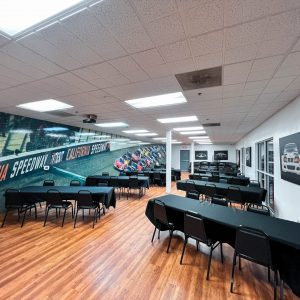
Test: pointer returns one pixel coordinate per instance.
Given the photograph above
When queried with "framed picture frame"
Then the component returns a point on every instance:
(221, 155)
(248, 157)
(201, 155)
(238, 157)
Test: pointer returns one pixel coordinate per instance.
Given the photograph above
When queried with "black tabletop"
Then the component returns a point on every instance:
(221, 223)
(70, 192)
(244, 180)
(249, 194)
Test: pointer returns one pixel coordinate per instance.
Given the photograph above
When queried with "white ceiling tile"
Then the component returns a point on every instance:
(181, 66)
(234, 90)
(278, 6)
(278, 84)
(267, 98)
(207, 43)
(297, 46)
(148, 58)
(150, 10)
(244, 34)
(290, 66)
(176, 51)
(166, 30)
(254, 9)
(240, 54)
(208, 60)
(125, 64)
(208, 16)
(3, 40)
(295, 85)
(236, 73)
(255, 84)
(233, 12)
(136, 76)
(76, 81)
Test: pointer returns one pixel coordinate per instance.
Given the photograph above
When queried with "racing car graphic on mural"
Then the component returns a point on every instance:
(290, 159)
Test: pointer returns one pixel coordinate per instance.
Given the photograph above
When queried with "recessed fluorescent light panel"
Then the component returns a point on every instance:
(18, 15)
(135, 131)
(188, 128)
(193, 132)
(45, 105)
(161, 100)
(202, 137)
(178, 119)
(113, 124)
(147, 134)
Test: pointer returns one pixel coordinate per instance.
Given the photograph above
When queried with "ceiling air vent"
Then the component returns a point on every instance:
(211, 124)
(200, 79)
(60, 113)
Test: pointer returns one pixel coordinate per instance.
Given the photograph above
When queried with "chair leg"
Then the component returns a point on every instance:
(183, 249)
(35, 213)
(275, 285)
(240, 263)
(197, 244)
(153, 234)
(171, 235)
(46, 216)
(95, 216)
(63, 221)
(221, 248)
(18, 214)
(209, 261)
(269, 276)
(281, 289)
(5, 218)
(83, 215)
(24, 217)
(232, 272)
(40, 204)
(75, 217)
(158, 235)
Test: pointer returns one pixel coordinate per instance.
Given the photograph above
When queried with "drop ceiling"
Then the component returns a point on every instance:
(116, 50)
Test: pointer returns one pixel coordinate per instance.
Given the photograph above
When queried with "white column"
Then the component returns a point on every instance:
(192, 156)
(168, 160)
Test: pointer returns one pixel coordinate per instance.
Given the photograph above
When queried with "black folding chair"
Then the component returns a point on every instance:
(234, 195)
(105, 173)
(133, 184)
(253, 245)
(157, 178)
(209, 190)
(219, 200)
(115, 183)
(194, 228)
(14, 201)
(160, 217)
(85, 201)
(259, 209)
(75, 183)
(55, 201)
(254, 183)
(193, 194)
(48, 183)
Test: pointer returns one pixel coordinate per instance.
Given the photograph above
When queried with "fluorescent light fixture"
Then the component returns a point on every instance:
(162, 139)
(134, 142)
(55, 129)
(56, 135)
(135, 131)
(146, 134)
(178, 119)
(204, 143)
(45, 105)
(16, 16)
(188, 128)
(203, 137)
(113, 124)
(102, 136)
(176, 142)
(160, 100)
(144, 143)
(87, 133)
(193, 132)
(21, 131)
(122, 140)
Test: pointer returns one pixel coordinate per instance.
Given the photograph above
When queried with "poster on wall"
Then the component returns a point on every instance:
(221, 155)
(238, 158)
(248, 156)
(201, 155)
(289, 148)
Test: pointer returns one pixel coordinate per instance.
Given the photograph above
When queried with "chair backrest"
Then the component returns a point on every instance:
(254, 183)
(75, 183)
(234, 194)
(105, 174)
(204, 178)
(219, 201)
(194, 226)
(54, 197)
(214, 178)
(210, 189)
(259, 209)
(159, 210)
(48, 183)
(194, 194)
(102, 183)
(253, 245)
(235, 180)
(113, 181)
(13, 198)
(140, 173)
(156, 176)
(223, 180)
(133, 182)
(85, 198)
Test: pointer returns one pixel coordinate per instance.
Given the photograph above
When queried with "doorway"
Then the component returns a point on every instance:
(184, 160)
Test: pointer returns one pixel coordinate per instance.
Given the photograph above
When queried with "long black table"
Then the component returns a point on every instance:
(249, 194)
(122, 180)
(244, 180)
(162, 172)
(221, 223)
(37, 193)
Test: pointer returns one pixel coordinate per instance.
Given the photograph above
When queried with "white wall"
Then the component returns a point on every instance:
(210, 152)
(285, 122)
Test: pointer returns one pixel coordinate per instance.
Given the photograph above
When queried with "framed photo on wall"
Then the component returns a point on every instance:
(289, 148)
(201, 155)
(221, 155)
(238, 158)
(248, 156)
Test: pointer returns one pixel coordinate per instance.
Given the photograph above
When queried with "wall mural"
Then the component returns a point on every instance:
(289, 148)
(33, 150)
(201, 155)
(248, 156)
(221, 155)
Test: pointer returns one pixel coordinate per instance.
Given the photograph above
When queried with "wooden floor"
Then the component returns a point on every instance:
(116, 260)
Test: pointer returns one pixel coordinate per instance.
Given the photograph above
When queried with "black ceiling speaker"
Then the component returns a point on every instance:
(90, 119)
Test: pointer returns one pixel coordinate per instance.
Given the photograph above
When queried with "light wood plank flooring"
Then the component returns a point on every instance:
(116, 260)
